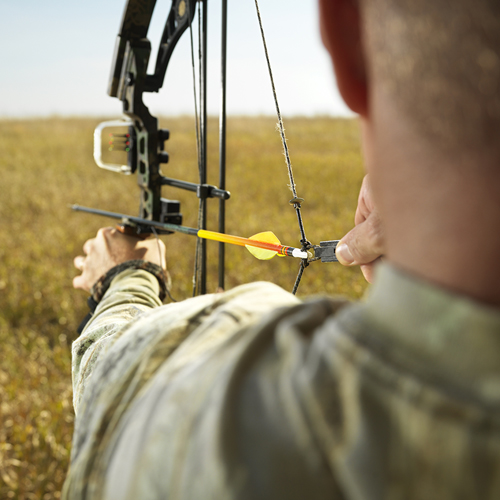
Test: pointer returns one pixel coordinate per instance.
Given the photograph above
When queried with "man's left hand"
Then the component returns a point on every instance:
(110, 248)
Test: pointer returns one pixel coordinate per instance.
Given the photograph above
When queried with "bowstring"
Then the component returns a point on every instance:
(295, 201)
(278, 112)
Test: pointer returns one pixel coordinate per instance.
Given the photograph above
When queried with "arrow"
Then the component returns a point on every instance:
(263, 246)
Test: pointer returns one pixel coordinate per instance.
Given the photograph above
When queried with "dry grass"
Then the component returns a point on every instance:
(47, 164)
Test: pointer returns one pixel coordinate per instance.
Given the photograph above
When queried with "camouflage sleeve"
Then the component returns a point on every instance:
(172, 339)
(130, 294)
(198, 399)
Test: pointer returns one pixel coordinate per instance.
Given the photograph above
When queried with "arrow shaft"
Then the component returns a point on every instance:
(201, 233)
(242, 242)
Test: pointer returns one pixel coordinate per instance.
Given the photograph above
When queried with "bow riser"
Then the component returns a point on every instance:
(128, 82)
(144, 158)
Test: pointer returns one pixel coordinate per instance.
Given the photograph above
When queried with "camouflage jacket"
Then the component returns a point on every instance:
(250, 394)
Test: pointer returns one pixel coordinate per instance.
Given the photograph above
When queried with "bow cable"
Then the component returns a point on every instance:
(199, 272)
(200, 100)
(195, 99)
(222, 140)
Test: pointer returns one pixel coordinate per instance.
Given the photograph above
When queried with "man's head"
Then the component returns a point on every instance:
(436, 61)
(425, 77)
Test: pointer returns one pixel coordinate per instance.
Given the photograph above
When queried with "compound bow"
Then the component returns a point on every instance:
(145, 142)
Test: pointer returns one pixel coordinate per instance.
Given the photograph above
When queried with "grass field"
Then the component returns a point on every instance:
(47, 165)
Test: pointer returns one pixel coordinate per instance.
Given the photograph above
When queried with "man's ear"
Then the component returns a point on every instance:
(341, 32)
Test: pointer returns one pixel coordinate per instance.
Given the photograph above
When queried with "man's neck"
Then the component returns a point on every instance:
(441, 213)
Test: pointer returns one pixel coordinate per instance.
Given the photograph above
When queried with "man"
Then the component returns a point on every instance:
(250, 394)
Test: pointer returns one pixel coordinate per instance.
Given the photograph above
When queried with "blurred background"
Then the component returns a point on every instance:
(56, 57)
(55, 61)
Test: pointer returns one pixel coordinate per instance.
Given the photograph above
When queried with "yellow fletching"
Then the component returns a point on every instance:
(267, 236)
(261, 253)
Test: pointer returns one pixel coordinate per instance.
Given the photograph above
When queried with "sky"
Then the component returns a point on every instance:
(55, 58)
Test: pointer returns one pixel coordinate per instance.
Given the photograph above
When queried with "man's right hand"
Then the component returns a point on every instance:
(364, 245)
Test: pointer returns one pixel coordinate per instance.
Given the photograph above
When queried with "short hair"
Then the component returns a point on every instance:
(439, 60)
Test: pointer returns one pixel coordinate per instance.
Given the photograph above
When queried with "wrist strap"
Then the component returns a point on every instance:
(101, 286)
